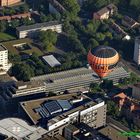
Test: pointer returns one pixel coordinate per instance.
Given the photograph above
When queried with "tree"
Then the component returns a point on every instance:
(24, 8)
(72, 7)
(2, 26)
(27, 21)
(48, 38)
(69, 28)
(14, 58)
(93, 26)
(92, 43)
(95, 87)
(100, 36)
(107, 84)
(22, 71)
(113, 109)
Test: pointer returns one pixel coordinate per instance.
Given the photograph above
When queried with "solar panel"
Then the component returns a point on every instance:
(53, 107)
(42, 111)
(64, 104)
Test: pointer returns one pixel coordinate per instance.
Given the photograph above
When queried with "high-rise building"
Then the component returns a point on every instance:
(136, 57)
(4, 65)
(8, 2)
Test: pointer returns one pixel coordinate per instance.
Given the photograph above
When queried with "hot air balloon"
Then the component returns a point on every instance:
(102, 60)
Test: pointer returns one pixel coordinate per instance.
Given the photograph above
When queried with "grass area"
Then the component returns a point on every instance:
(5, 37)
(11, 46)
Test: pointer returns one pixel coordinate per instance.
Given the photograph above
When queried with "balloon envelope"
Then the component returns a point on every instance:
(102, 60)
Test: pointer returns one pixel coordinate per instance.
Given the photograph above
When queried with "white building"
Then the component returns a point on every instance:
(4, 65)
(33, 30)
(136, 57)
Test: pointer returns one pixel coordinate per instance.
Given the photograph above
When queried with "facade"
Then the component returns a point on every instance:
(71, 80)
(136, 57)
(136, 91)
(4, 64)
(62, 81)
(105, 12)
(57, 122)
(33, 30)
(82, 131)
(8, 2)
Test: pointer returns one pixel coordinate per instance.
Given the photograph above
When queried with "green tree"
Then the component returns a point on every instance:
(3, 26)
(113, 109)
(107, 84)
(72, 7)
(48, 38)
(100, 36)
(24, 8)
(92, 43)
(22, 71)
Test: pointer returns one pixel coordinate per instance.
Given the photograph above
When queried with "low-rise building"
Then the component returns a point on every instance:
(105, 12)
(113, 132)
(129, 22)
(54, 113)
(51, 60)
(129, 107)
(17, 16)
(55, 7)
(82, 131)
(18, 129)
(117, 30)
(33, 30)
(9, 2)
(71, 80)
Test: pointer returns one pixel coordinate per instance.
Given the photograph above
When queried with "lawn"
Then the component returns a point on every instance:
(11, 46)
(5, 37)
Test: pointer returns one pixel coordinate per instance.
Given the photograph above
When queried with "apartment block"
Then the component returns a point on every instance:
(33, 30)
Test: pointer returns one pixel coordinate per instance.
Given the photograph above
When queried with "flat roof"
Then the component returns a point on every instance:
(15, 127)
(29, 106)
(37, 26)
(11, 46)
(51, 60)
(2, 48)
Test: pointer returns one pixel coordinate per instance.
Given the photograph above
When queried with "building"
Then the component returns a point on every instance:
(55, 113)
(113, 132)
(82, 131)
(105, 12)
(33, 30)
(51, 60)
(71, 80)
(129, 22)
(8, 2)
(117, 30)
(55, 7)
(17, 16)
(4, 64)
(19, 129)
(136, 91)
(136, 57)
(129, 107)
